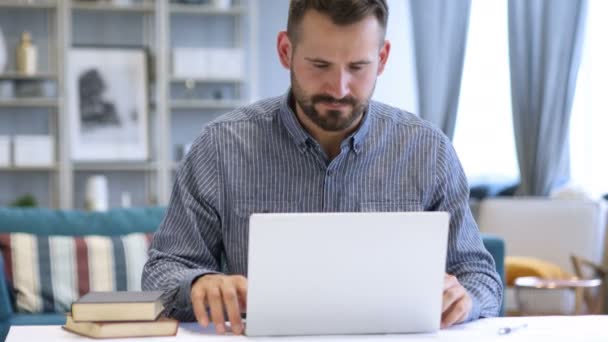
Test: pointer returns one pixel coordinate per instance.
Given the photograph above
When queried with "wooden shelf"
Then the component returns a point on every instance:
(114, 166)
(28, 168)
(108, 6)
(205, 104)
(30, 4)
(43, 76)
(205, 80)
(205, 9)
(29, 103)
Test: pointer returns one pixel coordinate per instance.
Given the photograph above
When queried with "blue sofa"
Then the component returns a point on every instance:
(71, 223)
(113, 222)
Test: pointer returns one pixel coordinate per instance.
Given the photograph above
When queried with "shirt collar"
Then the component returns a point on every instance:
(301, 137)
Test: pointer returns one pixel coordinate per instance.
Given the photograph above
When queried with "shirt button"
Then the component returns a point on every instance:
(330, 172)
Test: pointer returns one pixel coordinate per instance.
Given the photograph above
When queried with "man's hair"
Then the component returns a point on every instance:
(341, 12)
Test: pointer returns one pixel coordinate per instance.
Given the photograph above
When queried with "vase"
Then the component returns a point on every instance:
(96, 193)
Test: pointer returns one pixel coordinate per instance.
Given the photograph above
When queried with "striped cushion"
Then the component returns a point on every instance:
(47, 273)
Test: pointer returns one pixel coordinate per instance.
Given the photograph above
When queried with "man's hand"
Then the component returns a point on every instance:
(220, 292)
(457, 303)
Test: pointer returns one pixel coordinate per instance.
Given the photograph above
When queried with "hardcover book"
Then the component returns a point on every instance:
(160, 327)
(118, 306)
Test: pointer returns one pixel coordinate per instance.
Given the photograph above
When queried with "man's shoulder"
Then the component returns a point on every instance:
(259, 111)
(401, 119)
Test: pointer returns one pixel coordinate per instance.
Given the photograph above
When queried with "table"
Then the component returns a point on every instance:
(541, 328)
(553, 292)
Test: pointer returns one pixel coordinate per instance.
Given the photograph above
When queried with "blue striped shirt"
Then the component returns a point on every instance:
(260, 159)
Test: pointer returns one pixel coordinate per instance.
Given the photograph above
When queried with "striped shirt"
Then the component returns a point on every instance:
(260, 159)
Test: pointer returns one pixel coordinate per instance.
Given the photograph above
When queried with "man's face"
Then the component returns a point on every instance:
(334, 69)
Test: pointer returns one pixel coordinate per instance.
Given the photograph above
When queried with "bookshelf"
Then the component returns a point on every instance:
(177, 106)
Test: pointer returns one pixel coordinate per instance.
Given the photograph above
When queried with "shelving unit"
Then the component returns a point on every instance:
(18, 77)
(205, 104)
(145, 7)
(174, 115)
(29, 4)
(116, 166)
(204, 9)
(44, 181)
(28, 168)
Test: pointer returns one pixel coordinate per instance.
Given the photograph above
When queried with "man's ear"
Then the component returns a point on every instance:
(284, 48)
(384, 52)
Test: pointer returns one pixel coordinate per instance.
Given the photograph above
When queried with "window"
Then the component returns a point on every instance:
(589, 121)
(483, 137)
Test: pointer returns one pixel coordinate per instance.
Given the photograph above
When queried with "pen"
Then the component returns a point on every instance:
(508, 330)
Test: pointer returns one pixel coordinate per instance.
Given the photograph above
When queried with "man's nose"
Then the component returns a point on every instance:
(339, 84)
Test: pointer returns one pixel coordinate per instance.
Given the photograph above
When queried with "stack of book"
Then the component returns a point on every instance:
(119, 314)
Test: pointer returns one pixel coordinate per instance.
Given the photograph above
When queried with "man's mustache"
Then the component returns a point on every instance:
(349, 100)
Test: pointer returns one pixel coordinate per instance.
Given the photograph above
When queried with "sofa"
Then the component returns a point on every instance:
(80, 225)
(121, 222)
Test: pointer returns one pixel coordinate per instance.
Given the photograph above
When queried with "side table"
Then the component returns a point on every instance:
(563, 293)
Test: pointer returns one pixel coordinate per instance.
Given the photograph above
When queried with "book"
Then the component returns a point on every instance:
(159, 327)
(118, 306)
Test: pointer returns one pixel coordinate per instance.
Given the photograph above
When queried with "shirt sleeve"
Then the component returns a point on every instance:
(187, 244)
(467, 258)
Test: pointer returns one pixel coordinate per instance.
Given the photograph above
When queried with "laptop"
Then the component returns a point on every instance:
(345, 273)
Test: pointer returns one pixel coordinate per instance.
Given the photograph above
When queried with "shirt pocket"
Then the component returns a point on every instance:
(391, 206)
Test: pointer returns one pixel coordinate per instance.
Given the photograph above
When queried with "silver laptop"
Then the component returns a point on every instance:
(345, 273)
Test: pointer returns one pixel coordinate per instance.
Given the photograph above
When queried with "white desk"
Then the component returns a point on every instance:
(549, 328)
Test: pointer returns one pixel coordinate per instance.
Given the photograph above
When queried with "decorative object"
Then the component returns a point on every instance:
(190, 62)
(33, 150)
(28, 88)
(3, 54)
(27, 55)
(125, 199)
(109, 103)
(96, 193)
(25, 201)
(225, 63)
(190, 88)
(35, 88)
(208, 62)
(5, 151)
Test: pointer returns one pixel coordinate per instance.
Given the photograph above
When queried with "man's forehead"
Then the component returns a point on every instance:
(318, 26)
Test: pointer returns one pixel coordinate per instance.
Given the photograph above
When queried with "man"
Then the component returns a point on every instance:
(323, 147)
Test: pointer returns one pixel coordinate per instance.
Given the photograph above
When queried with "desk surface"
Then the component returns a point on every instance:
(547, 328)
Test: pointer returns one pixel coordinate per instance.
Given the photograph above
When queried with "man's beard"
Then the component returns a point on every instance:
(334, 120)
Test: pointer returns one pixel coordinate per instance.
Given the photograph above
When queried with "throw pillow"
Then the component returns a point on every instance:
(520, 266)
(48, 273)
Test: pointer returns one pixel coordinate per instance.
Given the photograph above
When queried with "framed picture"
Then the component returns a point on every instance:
(108, 104)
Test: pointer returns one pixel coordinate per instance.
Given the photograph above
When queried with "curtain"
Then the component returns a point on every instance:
(439, 29)
(545, 42)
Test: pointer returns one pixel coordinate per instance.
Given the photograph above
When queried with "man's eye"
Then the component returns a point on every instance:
(356, 67)
(320, 66)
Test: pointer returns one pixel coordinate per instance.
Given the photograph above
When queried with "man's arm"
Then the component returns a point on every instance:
(467, 258)
(188, 241)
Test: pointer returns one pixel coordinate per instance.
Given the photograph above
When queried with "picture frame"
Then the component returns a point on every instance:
(108, 104)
